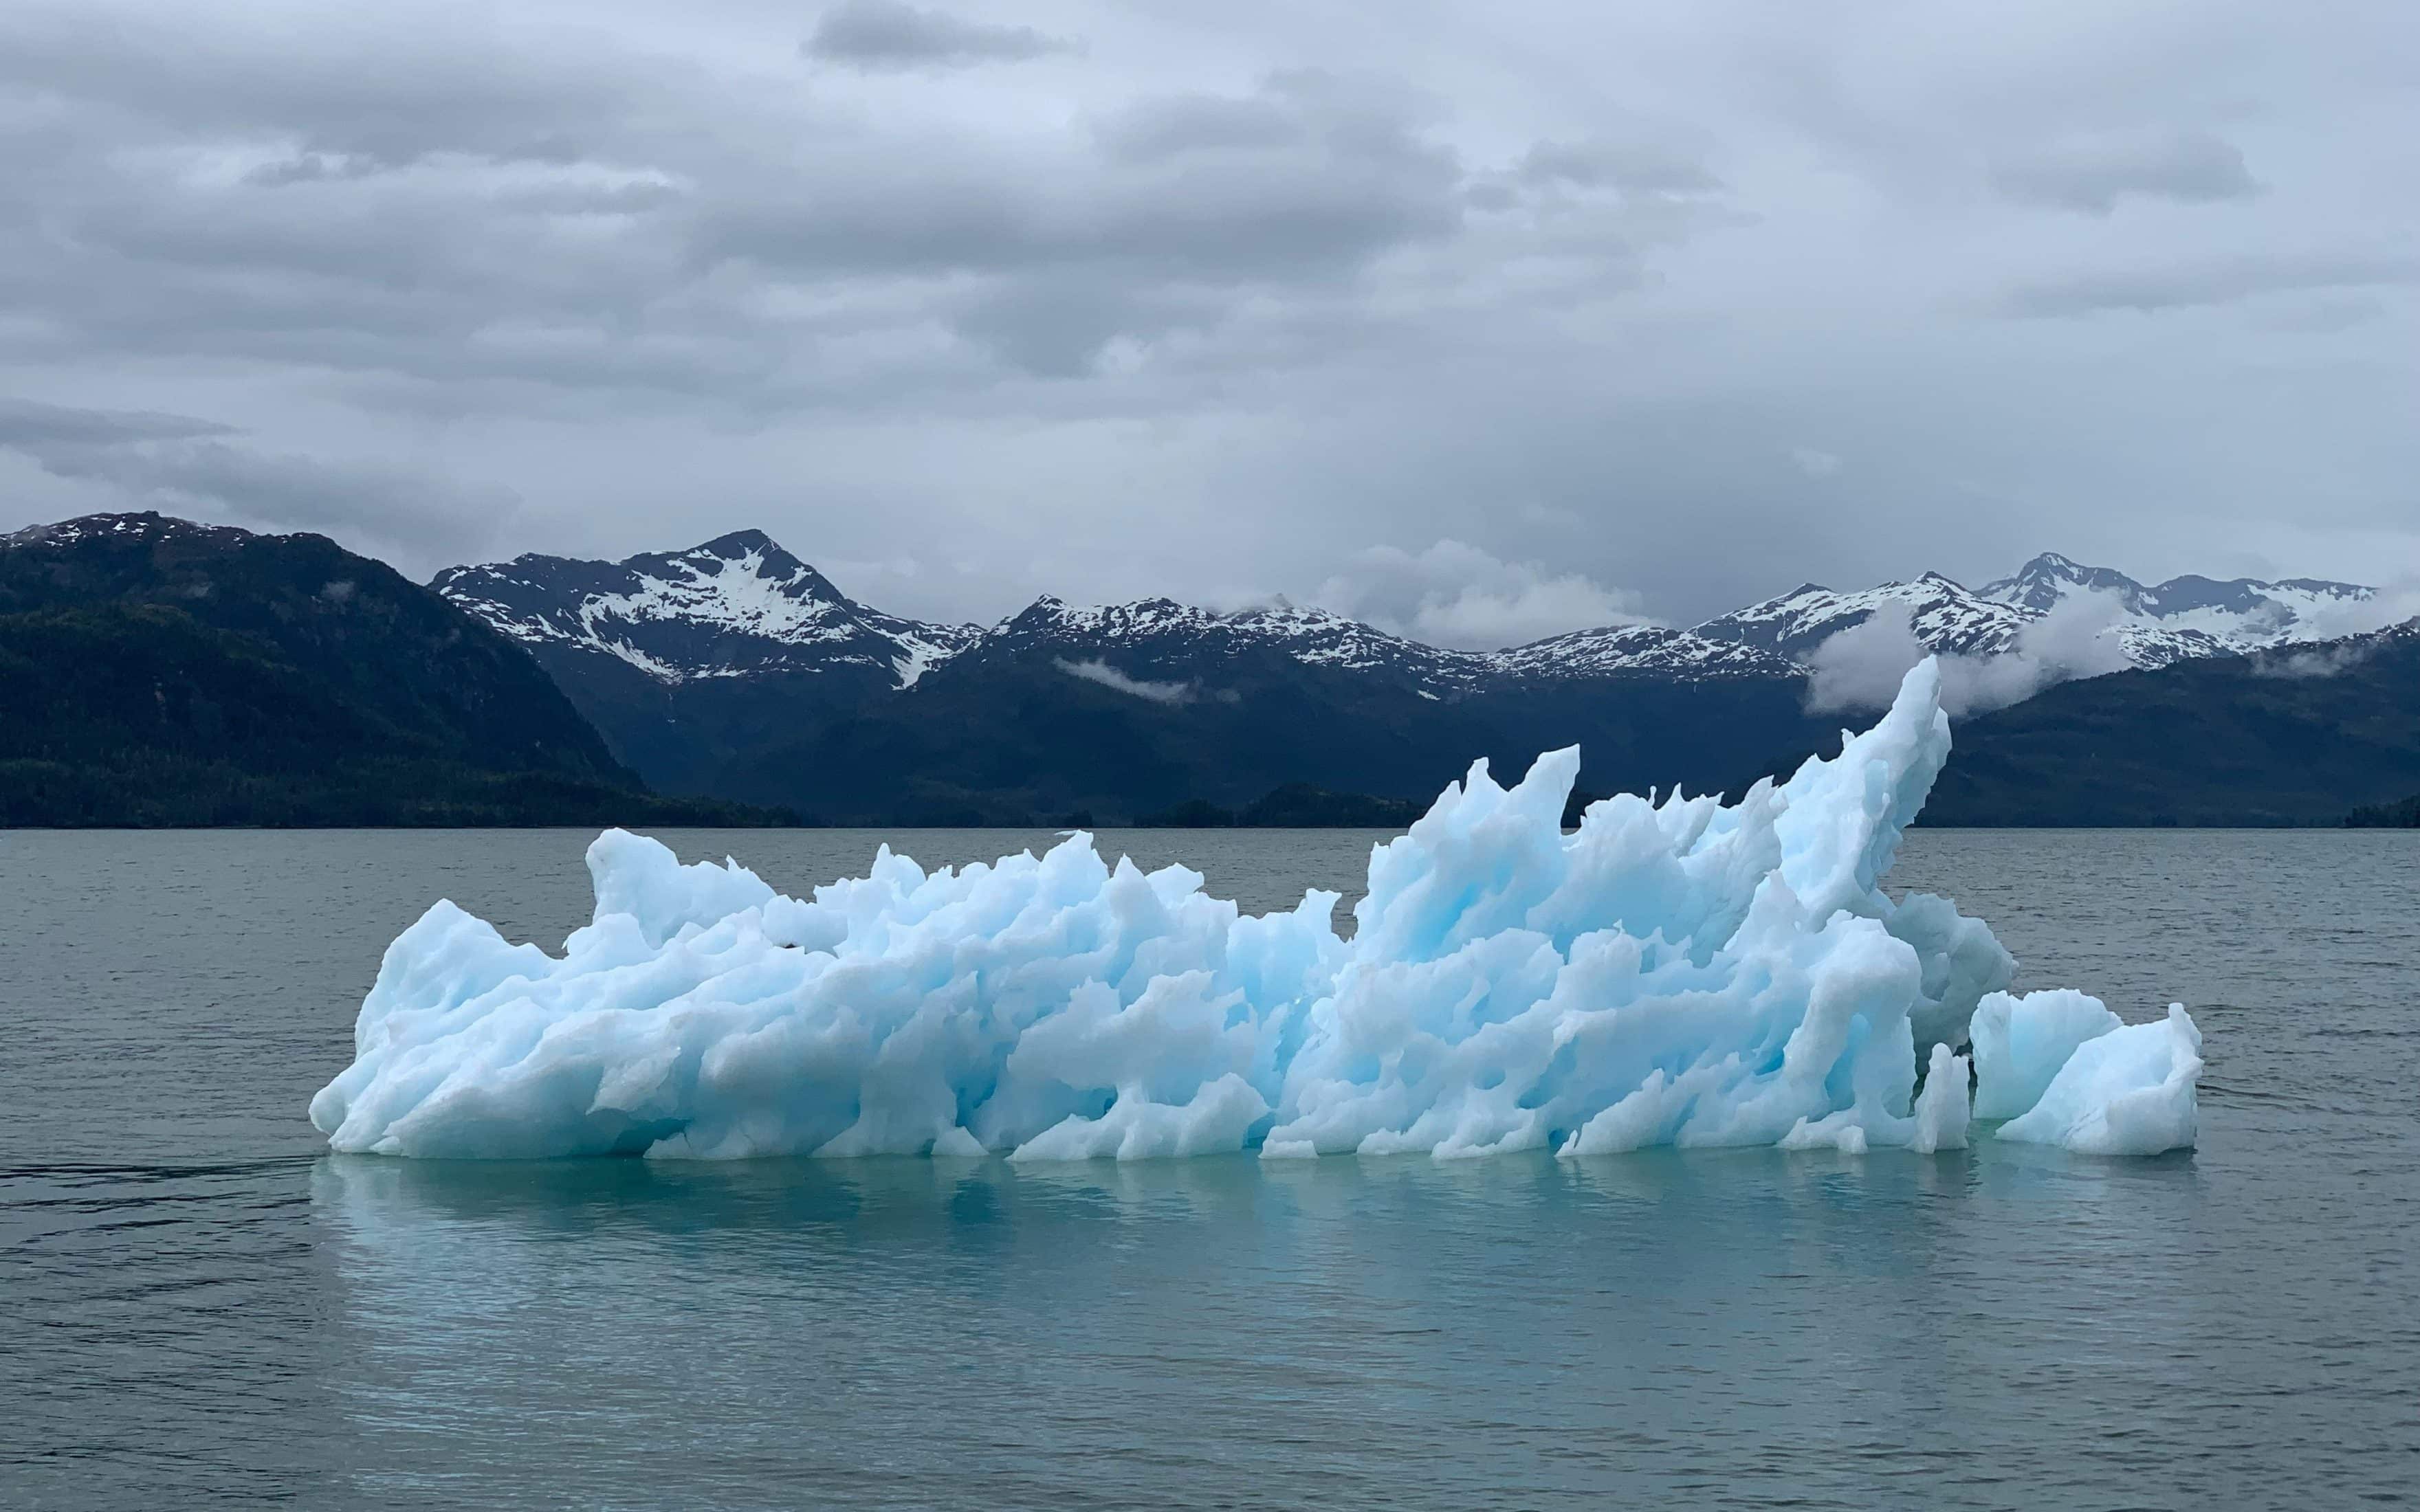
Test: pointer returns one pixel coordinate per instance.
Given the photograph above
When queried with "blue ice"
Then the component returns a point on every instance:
(1679, 972)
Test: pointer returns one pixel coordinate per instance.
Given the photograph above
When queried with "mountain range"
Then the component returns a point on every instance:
(740, 606)
(160, 672)
(168, 673)
(736, 670)
(2293, 736)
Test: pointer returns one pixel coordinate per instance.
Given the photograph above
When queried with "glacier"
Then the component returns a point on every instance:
(1673, 972)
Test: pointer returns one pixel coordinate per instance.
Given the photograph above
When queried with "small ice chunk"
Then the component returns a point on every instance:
(1834, 1131)
(1941, 1109)
(2127, 1092)
(2022, 1041)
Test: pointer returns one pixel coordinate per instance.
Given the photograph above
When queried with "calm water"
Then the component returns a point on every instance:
(198, 1306)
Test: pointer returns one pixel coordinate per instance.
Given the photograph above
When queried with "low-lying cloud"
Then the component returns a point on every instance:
(1094, 670)
(1458, 594)
(2318, 661)
(2390, 603)
(1860, 668)
(2347, 633)
(1301, 285)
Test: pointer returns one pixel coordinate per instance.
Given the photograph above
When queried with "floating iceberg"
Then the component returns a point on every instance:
(2021, 1043)
(2128, 1091)
(1675, 972)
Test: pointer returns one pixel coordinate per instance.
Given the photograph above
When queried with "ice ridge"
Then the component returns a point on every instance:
(1673, 972)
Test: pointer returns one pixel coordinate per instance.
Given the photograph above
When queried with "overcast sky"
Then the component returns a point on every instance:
(1482, 321)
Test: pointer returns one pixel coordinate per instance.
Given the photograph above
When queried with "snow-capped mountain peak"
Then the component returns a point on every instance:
(143, 525)
(740, 606)
(2050, 579)
(1162, 635)
(2188, 615)
(736, 605)
(1946, 616)
(1653, 649)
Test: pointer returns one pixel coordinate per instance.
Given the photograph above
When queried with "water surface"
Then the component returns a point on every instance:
(203, 1306)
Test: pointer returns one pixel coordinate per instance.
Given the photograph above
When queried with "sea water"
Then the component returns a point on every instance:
(198, 1305)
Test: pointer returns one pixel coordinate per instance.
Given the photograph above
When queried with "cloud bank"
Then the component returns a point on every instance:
(1457, 594)
(1860, 668)
(181, 465)
(1119, 300)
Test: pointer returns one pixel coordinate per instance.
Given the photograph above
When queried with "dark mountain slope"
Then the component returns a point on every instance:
(734, 669)
(681, 659)
(2287, 737)
(1014, 732)
(2404, 815)
(161, 672)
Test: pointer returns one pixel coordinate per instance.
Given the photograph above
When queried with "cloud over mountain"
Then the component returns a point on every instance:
(1456, 594)
(1115, 298)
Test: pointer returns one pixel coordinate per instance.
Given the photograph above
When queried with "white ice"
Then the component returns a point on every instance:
(2021, 1043)
(2129, 1091)
(1675, 972)
(2063, 1070)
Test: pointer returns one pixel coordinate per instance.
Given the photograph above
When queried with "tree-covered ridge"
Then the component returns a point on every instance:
(159, 672)
(2281, 738)
(2403, 815)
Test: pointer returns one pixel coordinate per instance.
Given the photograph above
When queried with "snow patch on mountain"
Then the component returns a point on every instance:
(1944, 614)
(2055, 619)
(1860, 668)
(738, 605)
(146, 525)
(2195, 616)
(1164, 633)
(1642, 648)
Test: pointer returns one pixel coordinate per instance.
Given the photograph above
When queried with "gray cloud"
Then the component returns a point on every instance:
(381, 94)
(1061, 327)
(1156, 220)
(188, 466)
(1155, 131)
(1454, 593)
(886, 34)
(29, 426)
(2207, 282)
(2093, 174)
(394, 505)
(1634, 167)
(1340, 179)
(1241, 291)
(2326, 661)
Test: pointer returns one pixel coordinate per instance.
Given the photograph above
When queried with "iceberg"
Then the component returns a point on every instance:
(2021, 1043)
(2063, 1070)
(1673, 972)
(2128, 1091)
